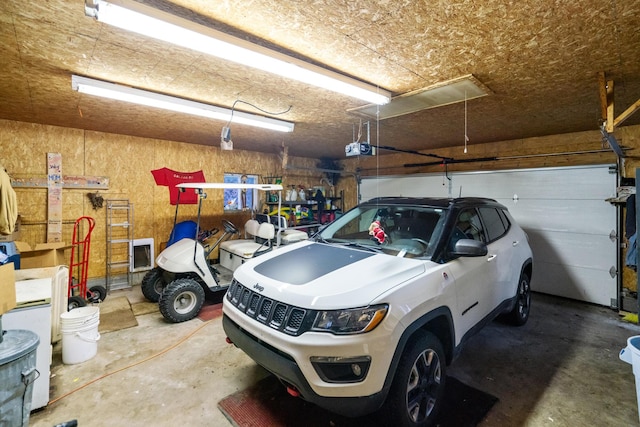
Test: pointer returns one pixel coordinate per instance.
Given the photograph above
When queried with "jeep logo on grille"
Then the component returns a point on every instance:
(258, 287)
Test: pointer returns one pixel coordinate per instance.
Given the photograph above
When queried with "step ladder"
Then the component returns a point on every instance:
(119, 235)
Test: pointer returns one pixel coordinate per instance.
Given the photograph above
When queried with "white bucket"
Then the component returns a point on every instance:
(80, 334)
(631, 355)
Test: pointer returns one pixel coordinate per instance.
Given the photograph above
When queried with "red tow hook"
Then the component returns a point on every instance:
(228, 340)
(293, 392)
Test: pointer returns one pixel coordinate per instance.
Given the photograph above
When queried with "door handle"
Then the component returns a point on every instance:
(492, 257)
(516, 243)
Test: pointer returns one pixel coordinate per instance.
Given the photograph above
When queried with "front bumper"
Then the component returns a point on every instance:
(287, 370)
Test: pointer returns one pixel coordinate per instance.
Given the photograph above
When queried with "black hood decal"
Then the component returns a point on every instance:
(308, 263)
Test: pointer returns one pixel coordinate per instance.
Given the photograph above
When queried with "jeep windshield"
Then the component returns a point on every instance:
(401, 230)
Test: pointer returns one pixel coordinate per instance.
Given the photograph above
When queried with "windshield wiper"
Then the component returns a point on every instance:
(362, 246)
(319, 238)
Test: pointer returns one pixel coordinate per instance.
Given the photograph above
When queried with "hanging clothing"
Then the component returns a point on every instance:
(8, 204)
(630, 219)
(171, 178)
(632, 254)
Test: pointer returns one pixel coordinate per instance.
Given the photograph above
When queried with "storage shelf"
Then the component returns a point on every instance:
(316, 209)
(119, 236)
(119, 264)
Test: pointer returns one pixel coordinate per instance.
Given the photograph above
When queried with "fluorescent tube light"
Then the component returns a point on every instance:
(150, 22)
(153, 99)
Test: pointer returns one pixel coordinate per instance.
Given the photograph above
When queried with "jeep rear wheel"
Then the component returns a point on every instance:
(181, 300)
(417, 390)
(520, 313)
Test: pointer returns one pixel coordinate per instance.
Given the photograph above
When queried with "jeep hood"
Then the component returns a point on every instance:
(326, 276)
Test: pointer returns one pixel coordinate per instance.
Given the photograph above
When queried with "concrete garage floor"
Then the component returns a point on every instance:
(561, 369)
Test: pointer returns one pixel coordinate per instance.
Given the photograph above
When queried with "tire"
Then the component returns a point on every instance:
(417, 390)
(520, 313)
(75, 302)
(153, 284)
(181, 300)
(97, 293)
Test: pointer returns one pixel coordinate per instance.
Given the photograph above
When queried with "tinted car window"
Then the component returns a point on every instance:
(493, 222)
(468, 226)
(505, 219)
(469, 223)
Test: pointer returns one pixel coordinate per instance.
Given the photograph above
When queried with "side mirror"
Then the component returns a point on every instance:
(470, 247)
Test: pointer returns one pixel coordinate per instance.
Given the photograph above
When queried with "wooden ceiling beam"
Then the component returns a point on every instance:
(606, 105)
(625, 115)
(602, 85)
(610, 110)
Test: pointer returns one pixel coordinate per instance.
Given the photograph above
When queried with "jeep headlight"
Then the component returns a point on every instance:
(350, 321)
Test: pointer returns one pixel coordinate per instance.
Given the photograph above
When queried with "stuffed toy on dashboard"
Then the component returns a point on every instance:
(377, 232)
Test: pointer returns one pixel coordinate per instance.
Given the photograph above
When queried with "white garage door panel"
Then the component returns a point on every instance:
(555, 279)
(571, 249)
(593, 183)
(574, 216)
(413, 186)
(562, 209)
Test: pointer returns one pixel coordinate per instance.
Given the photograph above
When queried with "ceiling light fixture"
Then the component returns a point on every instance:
(445, 93)
(158, 100)
(150, 22)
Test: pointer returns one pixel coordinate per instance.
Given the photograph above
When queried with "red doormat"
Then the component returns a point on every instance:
(210, 311)
(267, 404)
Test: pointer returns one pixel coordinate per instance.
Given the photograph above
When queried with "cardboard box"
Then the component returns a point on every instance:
(7, 288)
(13, 236)
(43, 255)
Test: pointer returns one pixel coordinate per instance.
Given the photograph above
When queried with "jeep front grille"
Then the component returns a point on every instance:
(275, 314)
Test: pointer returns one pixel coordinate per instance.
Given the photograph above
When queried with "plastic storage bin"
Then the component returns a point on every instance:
(10, 249)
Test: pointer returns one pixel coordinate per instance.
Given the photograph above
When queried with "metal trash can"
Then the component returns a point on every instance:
(17, 374)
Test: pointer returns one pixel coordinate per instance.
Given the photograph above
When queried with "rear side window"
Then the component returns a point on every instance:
(495, 222)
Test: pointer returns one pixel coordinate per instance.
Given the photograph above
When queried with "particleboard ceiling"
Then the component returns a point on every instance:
(540, 59)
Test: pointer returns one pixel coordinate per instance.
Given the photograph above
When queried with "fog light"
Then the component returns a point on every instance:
(341, 369)
(356, 369)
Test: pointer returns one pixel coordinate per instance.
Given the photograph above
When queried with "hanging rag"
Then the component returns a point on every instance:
(632, 253)
(8, 204)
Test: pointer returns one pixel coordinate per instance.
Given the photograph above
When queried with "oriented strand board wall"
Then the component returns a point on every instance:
(127, 162)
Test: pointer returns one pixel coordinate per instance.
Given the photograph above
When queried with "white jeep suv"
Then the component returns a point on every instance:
(367, 314)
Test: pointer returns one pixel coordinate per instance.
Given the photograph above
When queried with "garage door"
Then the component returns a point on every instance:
(563, 210)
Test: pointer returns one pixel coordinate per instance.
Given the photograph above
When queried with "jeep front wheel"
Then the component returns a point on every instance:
(417, 390)
(181, 300)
